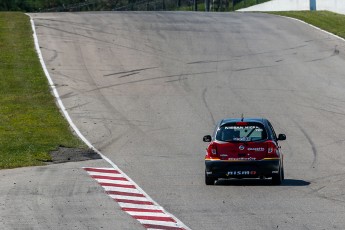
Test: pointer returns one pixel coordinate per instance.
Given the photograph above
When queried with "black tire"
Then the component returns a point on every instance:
(283, 173)
(277, 179)
(209, 180)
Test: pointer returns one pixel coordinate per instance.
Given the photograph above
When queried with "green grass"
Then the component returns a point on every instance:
(30, 123)
(329, 21)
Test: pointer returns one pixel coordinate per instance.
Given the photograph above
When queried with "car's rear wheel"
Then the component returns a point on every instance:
(209, 180)
(277, 179)
(283, 173)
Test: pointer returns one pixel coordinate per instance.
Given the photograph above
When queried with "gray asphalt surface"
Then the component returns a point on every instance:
(145, 87)
(60, 196)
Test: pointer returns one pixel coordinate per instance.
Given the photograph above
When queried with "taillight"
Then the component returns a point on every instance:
(241, 123)
(212, 149)
(272, 150)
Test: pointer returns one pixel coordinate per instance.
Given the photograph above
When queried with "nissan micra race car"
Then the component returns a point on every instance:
(244, 148)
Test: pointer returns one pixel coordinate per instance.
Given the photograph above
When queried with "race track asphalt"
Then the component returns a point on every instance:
(144, 87)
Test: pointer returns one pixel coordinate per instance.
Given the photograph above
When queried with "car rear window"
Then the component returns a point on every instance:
(241, 131)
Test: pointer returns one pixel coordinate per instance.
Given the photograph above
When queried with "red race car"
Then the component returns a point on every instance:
(244, 148)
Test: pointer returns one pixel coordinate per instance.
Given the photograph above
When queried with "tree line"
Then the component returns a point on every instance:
(106, 5)
(57, 5)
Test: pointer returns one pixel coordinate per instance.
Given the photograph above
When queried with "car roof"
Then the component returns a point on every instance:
(232, 120)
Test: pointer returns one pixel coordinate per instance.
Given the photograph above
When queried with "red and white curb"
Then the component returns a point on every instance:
(133, 200)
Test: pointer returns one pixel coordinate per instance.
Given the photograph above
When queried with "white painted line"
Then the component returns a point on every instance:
(119, 189)
(329, 33)
(163, 223)
(110, 177)
(159, 228)
(114, 181)
(105, 174)
(155, 229)
(129, 197)
(83, 138)
(55, 92)
(128, 205)
(148, 214)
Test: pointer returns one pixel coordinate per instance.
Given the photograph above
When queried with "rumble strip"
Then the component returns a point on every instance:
(133, 200)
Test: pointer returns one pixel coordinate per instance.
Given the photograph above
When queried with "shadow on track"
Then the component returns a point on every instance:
(258, 182)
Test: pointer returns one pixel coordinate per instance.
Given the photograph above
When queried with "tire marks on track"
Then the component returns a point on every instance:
(207, 106)
(133, 201)
(313, 147)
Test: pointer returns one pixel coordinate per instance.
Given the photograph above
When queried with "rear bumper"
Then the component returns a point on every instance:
(242, 169)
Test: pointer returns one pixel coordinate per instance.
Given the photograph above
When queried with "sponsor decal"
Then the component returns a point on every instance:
(240, 173)
(256, 149)
(244, 127)
(242, 159)
(241, 147)
(241, 138)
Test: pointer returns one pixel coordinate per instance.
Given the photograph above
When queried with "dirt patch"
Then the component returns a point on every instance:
(63, 154)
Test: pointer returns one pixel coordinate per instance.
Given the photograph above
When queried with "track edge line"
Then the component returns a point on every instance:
(75, 128)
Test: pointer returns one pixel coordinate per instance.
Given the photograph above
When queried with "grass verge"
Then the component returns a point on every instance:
(30, 123)
(326, 20)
